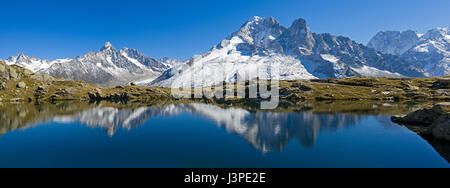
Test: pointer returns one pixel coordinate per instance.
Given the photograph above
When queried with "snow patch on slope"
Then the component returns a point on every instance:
(330, 58)
(374, 72)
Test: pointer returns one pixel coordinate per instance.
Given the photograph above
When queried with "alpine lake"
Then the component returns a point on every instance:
(202, 135)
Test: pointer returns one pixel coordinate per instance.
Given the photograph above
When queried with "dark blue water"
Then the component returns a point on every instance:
(198, 135)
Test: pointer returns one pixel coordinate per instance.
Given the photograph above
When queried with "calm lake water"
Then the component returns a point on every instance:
(202, 135)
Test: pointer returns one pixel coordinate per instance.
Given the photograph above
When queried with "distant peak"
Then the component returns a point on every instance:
(258, 23)
(107, 46)
(443, 28)
(257, 20)
(437, 34)
(21, 55)
(300, 24)
(300, 21)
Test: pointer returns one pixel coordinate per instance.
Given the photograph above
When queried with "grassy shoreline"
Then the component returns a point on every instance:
(21, 85)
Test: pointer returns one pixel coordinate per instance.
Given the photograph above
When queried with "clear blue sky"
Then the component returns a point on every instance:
(182, 28)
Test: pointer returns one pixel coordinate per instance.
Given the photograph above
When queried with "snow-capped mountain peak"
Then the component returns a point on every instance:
(439, 34)
(258, 36)
(107, 46)
(32, 63)
(253, 51)
(432, 52)
(395, 42)
(258, 29)
(262, 43)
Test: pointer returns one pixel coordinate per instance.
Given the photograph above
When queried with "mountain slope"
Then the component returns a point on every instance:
(262, 44)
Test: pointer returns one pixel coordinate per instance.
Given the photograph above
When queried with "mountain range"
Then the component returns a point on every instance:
(429, 51)
(107, 67)
(297, 52)
(262, 48)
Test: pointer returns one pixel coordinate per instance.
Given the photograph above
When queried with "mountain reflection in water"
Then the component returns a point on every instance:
(264, 130)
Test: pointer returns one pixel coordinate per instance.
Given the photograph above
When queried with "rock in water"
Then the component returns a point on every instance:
(425, 116)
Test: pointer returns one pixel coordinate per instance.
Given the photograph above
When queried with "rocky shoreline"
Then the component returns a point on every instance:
(18, 84)
(433, 124)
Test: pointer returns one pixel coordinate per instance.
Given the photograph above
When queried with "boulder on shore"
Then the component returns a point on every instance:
(21, 85)
(442, 83)
(2, 85)
(436, 119)
(441, 128)
(425, 116)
